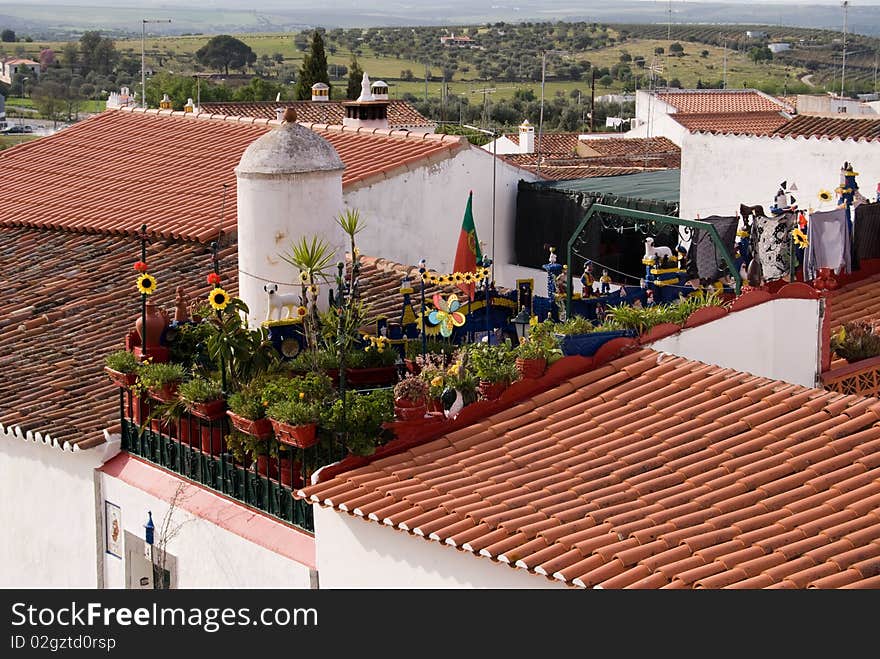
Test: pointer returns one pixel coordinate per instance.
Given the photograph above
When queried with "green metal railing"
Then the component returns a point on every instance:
(644, 216)
(178, 447)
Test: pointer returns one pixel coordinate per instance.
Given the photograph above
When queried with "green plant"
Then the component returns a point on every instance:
(296, 412)
(412, 388)
(541, 343)
(153, 375)
(493, 362)
(377, 352)
(364, 415)
(242, 445)
(248, 401)
(312, 258)
(199, 390)
(189, 346)
(856, 340)
(122, 361)
(575, 325)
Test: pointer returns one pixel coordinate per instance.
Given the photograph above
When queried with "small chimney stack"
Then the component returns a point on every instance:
(526, 137)
(320, 92)
(379, 89)
(165, 103)
(368, 111)
(190, 107)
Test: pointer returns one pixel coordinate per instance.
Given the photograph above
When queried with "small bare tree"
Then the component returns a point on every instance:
(167, 531)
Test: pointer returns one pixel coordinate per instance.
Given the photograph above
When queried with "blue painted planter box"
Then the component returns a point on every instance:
(586, 345)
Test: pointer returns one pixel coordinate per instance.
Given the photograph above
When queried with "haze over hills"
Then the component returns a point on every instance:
(210, 16)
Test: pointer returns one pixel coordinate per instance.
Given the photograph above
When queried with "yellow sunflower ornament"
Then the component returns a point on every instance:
(219, 299)
(800, 238)
(824, 195)
(146, 283)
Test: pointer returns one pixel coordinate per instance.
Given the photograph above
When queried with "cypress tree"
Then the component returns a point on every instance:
(355, 75)
(314, 69)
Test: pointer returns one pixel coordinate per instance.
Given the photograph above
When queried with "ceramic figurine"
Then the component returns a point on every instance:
(653, 253)
(587, 279)
(181, 306)
(605, 281)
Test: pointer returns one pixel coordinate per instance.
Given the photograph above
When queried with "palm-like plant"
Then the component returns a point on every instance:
(311, 257)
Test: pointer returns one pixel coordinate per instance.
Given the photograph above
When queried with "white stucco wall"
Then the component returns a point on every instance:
(353, 553)
(779, 339)
(720, 172)
(207, 555)
(47, 515)
(418, 213)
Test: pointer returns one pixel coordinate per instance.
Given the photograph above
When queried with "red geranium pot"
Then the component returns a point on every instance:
(531, 368)
(491, 390)
(259, 428)
(302, 436)
(410, 410)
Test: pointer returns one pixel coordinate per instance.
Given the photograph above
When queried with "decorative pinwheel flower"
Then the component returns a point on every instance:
(446, 314)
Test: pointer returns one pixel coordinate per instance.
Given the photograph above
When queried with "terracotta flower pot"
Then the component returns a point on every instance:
(166, 393)
(491, 390)
(302, 436)
(208, 438)
(408, 410)
(290, 471)
(259, 428)
(435, 406)
(210, 410)
(157, 321)
(531, 368)
(120, 379)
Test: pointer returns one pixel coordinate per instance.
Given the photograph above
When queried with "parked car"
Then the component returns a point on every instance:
(18, 129)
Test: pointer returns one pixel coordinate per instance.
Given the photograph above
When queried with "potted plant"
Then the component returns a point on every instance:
(160, 380)
(122, 368)
(247, 412)
(856, 340)
(432, 369)
(495, 367)
(413, 352)
(294, 407)
(536, 350)
(580, 336)
(361, 423)
(202, 397)
(374, 365)
(411, 398)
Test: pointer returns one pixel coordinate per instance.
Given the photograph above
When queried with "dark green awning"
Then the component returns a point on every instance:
(661, 185)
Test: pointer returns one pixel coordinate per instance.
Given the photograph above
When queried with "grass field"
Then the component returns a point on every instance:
(7, 141)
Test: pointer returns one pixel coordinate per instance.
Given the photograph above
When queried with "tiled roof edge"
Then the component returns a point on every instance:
(788, 136)
(36, 437)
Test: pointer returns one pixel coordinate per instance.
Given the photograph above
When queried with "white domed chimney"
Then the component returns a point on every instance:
(379, 89)
(289, 185)
(526, 137)
(320, 92)
(367, 111)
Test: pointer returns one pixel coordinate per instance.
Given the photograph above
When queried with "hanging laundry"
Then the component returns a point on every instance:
(710, 264)
(830, 243)
(866, 233)
(771, 240)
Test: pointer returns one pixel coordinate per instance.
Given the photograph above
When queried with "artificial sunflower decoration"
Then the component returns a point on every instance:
(313, 289)
(301, 311)
(824, 195)
(469, 278)
(146, 283)
(219, 299)
(457, 278)
(304, 277)
(800, 238)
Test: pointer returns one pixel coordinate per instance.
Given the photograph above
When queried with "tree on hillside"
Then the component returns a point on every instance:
(760, 54)
(47, 59)
(260, 90)
(7, 35)
(314, 69)
(49, 97)
(355, 75)
(182, 88)
(70, 55)
(224, 51)
(676, 49)
(98, 53)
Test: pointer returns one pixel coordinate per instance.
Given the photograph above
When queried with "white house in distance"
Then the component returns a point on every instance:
(12, 66)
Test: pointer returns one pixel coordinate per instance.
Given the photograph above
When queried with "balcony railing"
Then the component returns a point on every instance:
(861, 378)
(195, 448)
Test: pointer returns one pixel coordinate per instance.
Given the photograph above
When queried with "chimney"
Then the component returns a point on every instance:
(526, 137)
(165, 103)
(320, 92)
(367, 111)
(379, 90)
(190, 107)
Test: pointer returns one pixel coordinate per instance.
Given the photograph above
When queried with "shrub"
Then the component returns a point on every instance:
(856, 340)
(248, 402)
(296, 412)
(493, 363)
(122, 361)
(575, 325)
(541, 343)
(155, 375)
(364, 416)
(199, 390)
(378, 352)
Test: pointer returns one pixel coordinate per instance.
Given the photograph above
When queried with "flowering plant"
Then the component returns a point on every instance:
(412, 388)
(376, 353)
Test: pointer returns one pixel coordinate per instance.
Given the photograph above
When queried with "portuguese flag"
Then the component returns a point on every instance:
(467, 255)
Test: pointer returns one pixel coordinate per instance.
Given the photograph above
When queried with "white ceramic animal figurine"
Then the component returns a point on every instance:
(279, 301)
(652, 252)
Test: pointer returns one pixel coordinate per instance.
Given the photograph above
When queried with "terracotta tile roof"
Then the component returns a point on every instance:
(722, 100)
(557, 173)
(858, 301)
(552, 142)
(68, 300)
(114, 171)
(631, 146)
(831, 127)
(747, 123)
(400, 113)
(651, 471)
